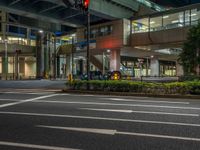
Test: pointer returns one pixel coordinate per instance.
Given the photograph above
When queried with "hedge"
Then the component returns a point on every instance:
(192, 87)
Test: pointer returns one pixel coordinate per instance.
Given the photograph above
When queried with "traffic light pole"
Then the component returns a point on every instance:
(88, 48)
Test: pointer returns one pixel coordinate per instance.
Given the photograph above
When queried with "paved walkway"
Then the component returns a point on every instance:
(32, 84)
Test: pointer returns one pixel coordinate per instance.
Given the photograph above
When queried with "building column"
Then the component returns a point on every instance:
(4, 38)
(179, 69)
(46, 46)
(39, 56)
(16, 66)
(115, 60)
(68, 64)
(58, 65)
(28, 34)
(154, 66)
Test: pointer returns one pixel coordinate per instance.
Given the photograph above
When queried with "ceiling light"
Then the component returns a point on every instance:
(193, 14)
(152, 22)
(41, 31)
(164, 17)
(175, 21)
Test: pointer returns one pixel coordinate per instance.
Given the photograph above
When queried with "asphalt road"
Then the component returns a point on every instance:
(45, 120)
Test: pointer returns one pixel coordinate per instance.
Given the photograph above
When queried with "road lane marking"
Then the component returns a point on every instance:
(101, 118)
(142, 112)
(33, 146)
(89, 130)
(108, 110)
(144, 101)
(27, 100)
(112, 104)
(115, 132)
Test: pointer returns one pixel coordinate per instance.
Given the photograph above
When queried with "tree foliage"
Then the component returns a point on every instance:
(189, 58)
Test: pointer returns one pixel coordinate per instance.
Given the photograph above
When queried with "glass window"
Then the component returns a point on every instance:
(195, 16)
(33, 43)
(101, 31)
(187, 17)
(110, 29)
(156, 23)
(93, 33)
(10, 64)
(13, 40)
(173, 20)
(140, 25)
(0, 64)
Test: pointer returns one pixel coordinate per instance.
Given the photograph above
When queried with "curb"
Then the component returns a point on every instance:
(130, 94)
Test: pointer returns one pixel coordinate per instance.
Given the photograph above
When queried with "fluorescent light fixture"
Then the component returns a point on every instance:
(108, 50)
(193, 14)
(73, 35)
(175, 21)
(41, 31)
(164, 17)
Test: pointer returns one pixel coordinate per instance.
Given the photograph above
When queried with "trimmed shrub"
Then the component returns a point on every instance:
(191, 87)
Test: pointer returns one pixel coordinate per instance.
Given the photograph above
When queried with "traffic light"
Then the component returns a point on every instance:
(85, 4)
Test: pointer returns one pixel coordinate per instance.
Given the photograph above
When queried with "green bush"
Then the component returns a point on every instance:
(189, 87)
(189, 78)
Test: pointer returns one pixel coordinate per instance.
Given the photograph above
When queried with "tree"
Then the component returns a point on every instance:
(189, 58)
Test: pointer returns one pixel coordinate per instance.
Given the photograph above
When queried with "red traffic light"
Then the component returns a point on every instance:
(86, 4)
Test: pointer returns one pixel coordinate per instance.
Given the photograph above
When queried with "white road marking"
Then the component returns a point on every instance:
(115, 132)
(101, 118)
(144, 101)
(109, 110)
(142, 112)
(27, 100)
(33, 146)
(129, 105)
(90, 130)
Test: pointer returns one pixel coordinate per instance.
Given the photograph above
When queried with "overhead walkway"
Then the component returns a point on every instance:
(166, 31)
(58, 13)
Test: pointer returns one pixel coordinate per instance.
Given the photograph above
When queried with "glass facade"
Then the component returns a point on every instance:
(0, 64)
(166, 21)
(100, 31)
(140, 25)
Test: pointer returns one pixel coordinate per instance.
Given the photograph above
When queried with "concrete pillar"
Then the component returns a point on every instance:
(39, 56)
(179, 69)
(115, 60)
(154, 66)
(68, 65)
(46, 46)
(3, 25)
(54, 58)
(16, 66)
(58, 65)
(21, 67)
(4, 38)
(28, 34)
